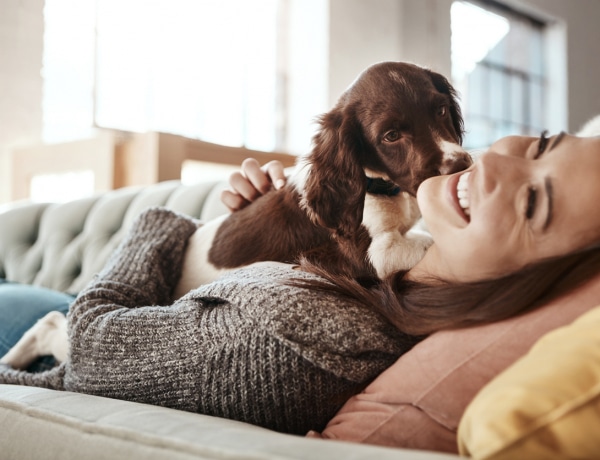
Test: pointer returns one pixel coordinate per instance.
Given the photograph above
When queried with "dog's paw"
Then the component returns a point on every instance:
(420, 239)
(391, 252)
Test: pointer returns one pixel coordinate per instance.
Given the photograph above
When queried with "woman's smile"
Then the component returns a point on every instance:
(462, 192)
(458, 192)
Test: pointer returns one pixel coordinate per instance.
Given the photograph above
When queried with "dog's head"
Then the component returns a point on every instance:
(397, 121)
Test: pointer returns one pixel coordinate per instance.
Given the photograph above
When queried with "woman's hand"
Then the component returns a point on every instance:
(252, 182)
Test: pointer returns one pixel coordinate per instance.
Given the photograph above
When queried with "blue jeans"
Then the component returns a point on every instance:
(21, 306)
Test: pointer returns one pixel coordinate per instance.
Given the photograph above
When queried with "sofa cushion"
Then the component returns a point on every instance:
(41, 423)
(546, 405)
(419, 401)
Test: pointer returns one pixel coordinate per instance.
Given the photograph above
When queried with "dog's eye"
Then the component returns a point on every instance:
(442, 111)
(391, 136)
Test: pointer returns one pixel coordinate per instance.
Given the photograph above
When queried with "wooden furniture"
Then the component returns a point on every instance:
(120, 159)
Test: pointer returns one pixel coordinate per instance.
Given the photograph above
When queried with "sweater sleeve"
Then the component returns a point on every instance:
(52, 379)
(126, 341)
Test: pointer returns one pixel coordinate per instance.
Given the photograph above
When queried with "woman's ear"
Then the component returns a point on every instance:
(335, 187)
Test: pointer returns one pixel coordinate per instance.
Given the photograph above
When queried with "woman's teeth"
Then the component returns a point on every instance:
(462, 191)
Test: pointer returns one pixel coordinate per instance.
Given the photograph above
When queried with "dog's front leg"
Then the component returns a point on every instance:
(395, 245)
(391, 252)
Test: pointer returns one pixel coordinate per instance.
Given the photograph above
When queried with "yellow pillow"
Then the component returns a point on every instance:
(546, 405)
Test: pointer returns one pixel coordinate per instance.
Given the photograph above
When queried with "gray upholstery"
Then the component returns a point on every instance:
(61, 246)
(44, 424)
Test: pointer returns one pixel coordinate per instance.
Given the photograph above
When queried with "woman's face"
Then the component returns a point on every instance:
(523, 200)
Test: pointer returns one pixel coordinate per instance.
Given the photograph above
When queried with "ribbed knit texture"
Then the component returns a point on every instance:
(247, 347)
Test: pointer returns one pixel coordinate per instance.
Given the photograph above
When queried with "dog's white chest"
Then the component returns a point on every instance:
(197, 270)
(394, 246)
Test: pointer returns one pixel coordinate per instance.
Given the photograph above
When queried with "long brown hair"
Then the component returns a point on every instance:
(421, 308)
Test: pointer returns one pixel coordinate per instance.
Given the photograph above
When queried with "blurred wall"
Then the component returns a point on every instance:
(21, 36)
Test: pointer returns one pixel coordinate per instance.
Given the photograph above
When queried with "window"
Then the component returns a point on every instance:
(232, 72)
(68, 69)
(215, 70)
(202, 69)
(498, 68)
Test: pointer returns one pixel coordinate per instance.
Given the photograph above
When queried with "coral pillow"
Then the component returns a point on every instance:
(546, 405)
(419, 401)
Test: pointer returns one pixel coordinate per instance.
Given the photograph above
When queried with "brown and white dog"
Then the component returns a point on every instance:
(351, 201)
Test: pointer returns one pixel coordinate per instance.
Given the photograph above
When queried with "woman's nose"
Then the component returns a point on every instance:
(496, 169)
(512, 146)
(504, 162)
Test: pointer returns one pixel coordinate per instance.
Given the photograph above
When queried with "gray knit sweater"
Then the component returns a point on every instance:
(247, 347)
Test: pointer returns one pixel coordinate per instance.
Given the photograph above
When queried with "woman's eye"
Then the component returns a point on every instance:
(391, 136)
(442, 111)
(542, 144)
(531, 201)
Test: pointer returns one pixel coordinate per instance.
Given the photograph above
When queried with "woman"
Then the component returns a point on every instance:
(510, 232)
(515, 224)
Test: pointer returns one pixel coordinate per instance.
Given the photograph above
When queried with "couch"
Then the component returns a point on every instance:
(61, 246)
(426, 406)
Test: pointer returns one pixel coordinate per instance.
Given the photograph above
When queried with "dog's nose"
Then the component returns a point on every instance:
(455, 162)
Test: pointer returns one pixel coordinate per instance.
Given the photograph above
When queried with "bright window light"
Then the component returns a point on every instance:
(68, 69)
(499, 71)
(475, 32)
(61, 187)
(203, 69)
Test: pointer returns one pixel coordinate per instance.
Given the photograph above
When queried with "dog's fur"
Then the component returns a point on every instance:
(325, 212)
(398, 124)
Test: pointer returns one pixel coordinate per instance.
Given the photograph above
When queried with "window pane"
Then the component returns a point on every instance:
(478, 97)
(68, 69)
(536, 108)
(518, 104)
(506, 48)
(497, 90)
(201, 69)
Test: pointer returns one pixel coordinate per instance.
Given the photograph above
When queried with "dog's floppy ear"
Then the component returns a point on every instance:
(442, 84)
(335, 188)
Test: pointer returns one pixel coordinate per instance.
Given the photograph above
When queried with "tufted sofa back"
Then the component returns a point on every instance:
(62, 246)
